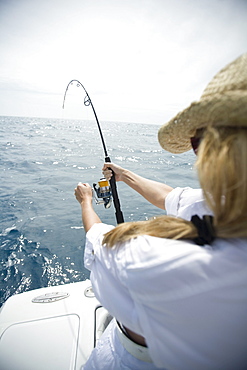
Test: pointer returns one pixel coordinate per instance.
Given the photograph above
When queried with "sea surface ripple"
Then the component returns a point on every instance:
(42, 160)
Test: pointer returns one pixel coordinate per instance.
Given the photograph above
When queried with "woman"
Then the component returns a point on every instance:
(178, 288)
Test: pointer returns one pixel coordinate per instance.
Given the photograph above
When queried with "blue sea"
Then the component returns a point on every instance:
(42, 160)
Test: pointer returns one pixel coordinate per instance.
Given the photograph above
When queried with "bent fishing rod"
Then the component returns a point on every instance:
(87, 102)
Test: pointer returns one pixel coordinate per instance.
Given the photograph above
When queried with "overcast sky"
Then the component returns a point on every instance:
(140, 60)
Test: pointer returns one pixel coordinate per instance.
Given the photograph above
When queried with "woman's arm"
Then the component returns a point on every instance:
(83, 193)
(155, 192)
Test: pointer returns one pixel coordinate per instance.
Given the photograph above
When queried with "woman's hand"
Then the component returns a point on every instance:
(109, 167)
(83, 192)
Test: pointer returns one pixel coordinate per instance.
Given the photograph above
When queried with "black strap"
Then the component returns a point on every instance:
(205, 229)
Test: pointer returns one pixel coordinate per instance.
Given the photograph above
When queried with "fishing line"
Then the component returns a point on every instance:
(88, 102)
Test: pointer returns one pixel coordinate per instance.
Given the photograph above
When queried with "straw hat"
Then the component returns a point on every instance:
(223, 103)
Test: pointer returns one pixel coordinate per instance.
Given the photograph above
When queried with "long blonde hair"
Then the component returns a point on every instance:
(222, 171)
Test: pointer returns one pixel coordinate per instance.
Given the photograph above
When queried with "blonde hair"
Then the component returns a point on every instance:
(222, 171)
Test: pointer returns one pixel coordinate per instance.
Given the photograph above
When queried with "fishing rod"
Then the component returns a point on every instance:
(103, 192)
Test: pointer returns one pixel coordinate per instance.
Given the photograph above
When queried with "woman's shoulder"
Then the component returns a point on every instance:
(149, 251)
(175, 267)
(186, 202)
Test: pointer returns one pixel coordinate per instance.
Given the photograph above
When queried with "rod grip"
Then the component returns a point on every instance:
(118, 213)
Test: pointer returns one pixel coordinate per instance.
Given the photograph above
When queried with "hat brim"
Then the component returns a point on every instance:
(228, 109)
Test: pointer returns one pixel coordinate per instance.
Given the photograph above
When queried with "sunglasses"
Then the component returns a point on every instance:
(196, 140)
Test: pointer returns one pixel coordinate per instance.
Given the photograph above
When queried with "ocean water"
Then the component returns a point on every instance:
(42, 160)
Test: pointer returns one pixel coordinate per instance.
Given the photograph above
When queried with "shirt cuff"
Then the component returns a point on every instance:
(172, 201)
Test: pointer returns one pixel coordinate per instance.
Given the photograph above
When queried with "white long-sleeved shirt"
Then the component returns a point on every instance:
(189, 302)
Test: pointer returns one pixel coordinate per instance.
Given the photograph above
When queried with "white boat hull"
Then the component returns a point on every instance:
(50, 328)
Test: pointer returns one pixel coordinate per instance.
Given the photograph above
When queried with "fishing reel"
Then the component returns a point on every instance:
(103, 193)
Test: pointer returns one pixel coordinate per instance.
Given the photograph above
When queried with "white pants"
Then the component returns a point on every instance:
(109, 354)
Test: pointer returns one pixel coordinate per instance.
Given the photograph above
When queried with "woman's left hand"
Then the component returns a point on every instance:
(83, 192)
